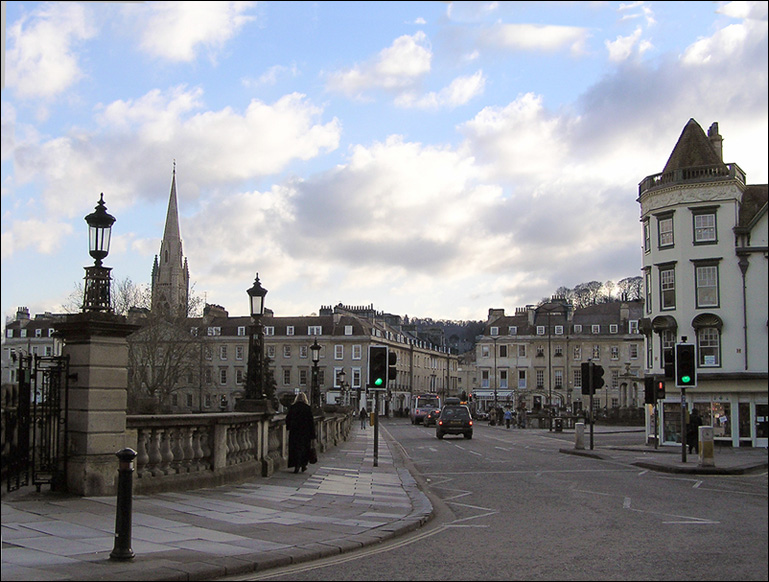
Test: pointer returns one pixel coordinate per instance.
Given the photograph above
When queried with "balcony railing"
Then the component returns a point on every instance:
(692, 175)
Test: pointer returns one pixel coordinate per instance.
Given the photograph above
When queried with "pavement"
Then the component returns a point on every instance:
(341, 504)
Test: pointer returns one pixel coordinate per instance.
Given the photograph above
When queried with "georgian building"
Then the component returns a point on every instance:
(535, 356)
(705, 282)
(344, 334)
(25, 336)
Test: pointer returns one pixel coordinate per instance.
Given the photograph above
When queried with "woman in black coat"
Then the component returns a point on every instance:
(301, 432)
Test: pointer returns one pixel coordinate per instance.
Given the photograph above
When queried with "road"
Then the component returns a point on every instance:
(509, 505)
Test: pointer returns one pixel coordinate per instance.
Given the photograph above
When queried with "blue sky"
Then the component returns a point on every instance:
(434, 159)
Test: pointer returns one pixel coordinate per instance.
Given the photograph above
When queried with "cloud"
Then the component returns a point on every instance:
(41, 59)
(43, 236)
(395, 68)
(538, 37)
(177, 31)
(459, 92)
(622, 48)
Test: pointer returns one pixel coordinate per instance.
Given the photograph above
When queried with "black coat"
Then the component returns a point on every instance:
(301, 432)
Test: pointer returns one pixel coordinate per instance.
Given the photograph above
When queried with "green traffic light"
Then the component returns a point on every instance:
(686, 379)
(378, 382)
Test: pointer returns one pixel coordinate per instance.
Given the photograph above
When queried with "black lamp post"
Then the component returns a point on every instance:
(97, 278)
(343, 387)
(315, 395)
(255, 375)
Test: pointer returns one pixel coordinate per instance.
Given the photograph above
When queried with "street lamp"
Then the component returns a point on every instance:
(315, 396)
(255, 375)
(97, 278)
(340, 380)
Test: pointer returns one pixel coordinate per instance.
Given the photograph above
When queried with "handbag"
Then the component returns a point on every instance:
(312, 456)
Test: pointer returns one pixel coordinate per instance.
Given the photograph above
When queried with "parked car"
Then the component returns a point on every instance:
(432, 417)
(454, 419)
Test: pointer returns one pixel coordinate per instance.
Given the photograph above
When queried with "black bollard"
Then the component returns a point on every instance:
(122, 549)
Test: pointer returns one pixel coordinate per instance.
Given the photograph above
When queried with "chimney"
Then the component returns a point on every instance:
(716, 140)
(22, 314)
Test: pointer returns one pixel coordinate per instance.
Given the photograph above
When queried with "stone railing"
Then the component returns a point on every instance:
(184, 451)
(693, 174)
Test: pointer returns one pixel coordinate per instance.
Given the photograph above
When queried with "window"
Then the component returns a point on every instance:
(632, 326)
(558, 379)
(268, 330)
(648, 289)
(614, 352)
(540, 378)
(286, 376)
(503, 379)
(704, 224)
(706, 281)
(484, 378)
(485, 351)
(596, 352)
(303, 351)
(667, 288)
(709, 347)
(347, 330)
(512, 330)
(318, 330)
(209, 375)
(189, 400)
(194, 331)
(270, 351)
(356, 377)
(647, 236)
(23, 333)
(633, 351)
(303, 377)
(289, 330)
(613, 328)
(286, 351)
(577, 376)
(222, 352)
(241, 330)
(540, 351)
(208, 400)
(665, 228)
(222, 376)
(595, 329)
(240, 376)
(357, 352)
(338, 352)
(503, 351)
(494, 331)
(38, 333)
(209, 353)
(558, 330)
(577, 328)
(522, 379)
(558, 349)
(521, 350)
(577, 353)
(540, 330)
(214, 331)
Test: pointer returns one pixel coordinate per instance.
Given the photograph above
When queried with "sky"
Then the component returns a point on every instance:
(432, 159)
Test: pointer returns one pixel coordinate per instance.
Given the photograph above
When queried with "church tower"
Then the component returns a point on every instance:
(170, 273)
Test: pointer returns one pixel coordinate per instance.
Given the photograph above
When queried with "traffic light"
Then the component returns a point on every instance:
(597, 377)
(392, 359)
(659, 389)
(377, 366)
(585, 377)
(686, 368)
(649, 390)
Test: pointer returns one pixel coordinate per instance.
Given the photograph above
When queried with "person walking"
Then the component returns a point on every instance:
(508, 417)
(693, 431)
(363, 415)
(301, 432)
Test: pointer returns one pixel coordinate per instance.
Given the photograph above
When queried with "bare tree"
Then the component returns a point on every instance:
(631, 288)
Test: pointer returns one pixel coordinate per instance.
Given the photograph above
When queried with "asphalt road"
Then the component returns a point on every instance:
(509, 505)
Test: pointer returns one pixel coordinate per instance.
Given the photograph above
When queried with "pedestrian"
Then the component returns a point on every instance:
(508, 417)
(301, 432)
(363, 415)
(693, 431)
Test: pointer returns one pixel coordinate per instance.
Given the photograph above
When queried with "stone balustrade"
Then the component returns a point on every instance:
(184, 451)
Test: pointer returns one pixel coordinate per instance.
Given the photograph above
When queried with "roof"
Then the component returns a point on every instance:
(754, 203)
(692, 149)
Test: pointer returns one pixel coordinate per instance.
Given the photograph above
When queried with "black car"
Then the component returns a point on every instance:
(432, 417)
(454, 419)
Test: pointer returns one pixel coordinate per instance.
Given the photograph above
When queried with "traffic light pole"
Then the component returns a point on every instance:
(683, 424)
(592, 412)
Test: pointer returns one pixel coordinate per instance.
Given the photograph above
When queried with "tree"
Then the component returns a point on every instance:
(630, 288)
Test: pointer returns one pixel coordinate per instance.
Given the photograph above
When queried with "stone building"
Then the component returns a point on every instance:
(705, 282)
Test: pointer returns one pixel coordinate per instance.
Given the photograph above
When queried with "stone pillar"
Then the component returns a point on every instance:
(579, 435)
(98, 390)
(706, 446)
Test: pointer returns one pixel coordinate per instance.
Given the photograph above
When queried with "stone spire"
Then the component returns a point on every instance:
(170, 273)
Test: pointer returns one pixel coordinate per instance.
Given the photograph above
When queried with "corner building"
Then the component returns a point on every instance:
(705, 282)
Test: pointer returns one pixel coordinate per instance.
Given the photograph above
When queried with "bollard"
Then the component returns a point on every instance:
(122, 549)
(579, 435)
(706, 446)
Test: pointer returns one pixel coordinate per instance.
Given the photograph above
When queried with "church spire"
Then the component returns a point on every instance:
(170, 274)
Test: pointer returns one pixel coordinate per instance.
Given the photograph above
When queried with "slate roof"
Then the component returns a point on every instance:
(692, 149)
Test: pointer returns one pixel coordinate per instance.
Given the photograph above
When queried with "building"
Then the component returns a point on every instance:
(535, 356)
(705, 282)
(26, 336)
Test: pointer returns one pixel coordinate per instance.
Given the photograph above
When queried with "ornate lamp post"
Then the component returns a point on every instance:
(255, 375)
(97, 278)
(340, 378)
(315, 396)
